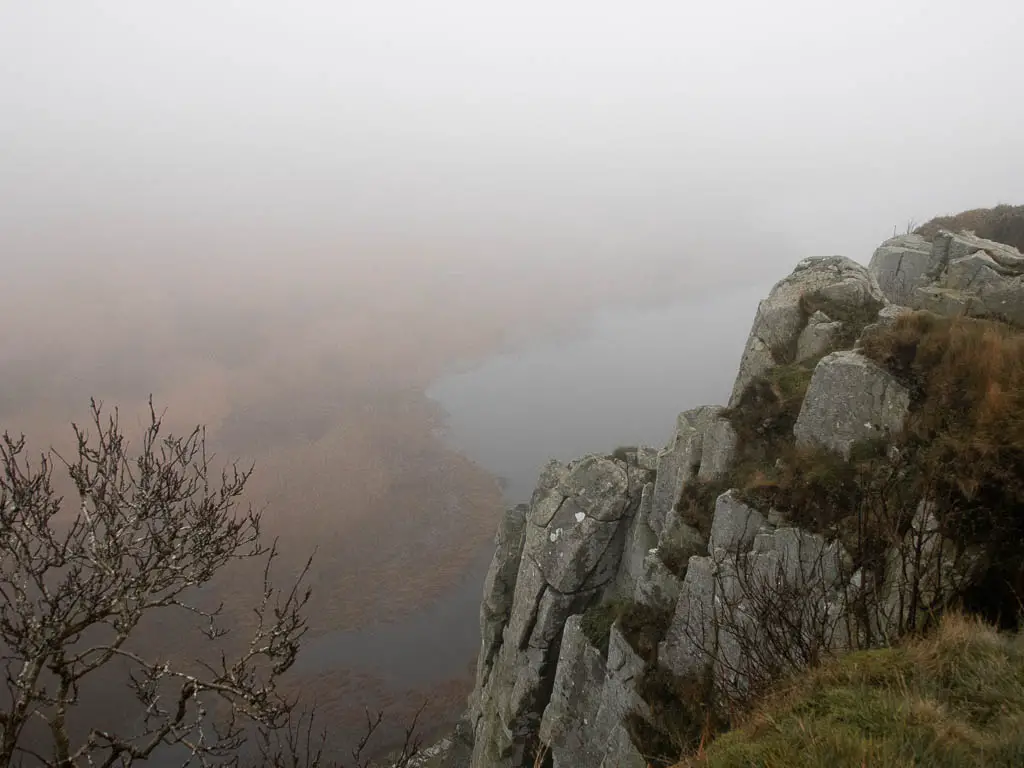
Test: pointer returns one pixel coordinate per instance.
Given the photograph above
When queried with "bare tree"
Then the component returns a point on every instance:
(146, 535)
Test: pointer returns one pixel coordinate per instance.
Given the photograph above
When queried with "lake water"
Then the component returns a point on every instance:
(621, 380)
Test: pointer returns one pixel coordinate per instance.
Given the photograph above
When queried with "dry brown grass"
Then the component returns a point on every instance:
(965, 437)
(967, 380)
(1004, 224)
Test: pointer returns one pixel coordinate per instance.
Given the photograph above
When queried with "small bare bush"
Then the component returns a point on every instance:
(145, 535)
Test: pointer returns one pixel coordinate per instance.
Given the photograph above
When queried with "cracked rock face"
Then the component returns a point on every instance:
(748, 559)
(901, 265)
(850, 399)
(640, 539)
(973, 276)
(817, 336)
(572, 546)
(718, 450)
(838, 287)
(583, 723)
(679, 463)
(499, 587)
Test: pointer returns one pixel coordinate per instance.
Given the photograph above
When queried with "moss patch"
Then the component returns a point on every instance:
(767, 410)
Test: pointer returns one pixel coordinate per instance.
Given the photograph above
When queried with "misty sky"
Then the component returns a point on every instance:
(661, 132)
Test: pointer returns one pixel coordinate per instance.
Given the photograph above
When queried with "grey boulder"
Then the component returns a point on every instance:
(850, 399)
(901, 265)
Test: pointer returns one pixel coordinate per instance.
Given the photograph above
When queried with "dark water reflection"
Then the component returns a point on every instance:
(622, 381)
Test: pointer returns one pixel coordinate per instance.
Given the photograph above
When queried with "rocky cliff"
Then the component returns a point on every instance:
(791, 523)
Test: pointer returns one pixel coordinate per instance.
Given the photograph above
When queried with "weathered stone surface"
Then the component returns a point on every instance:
(817, 337)
(734, 600)
(950, 246)
(624, 668)
(572, 546)
(691, 632)
(598, 486)
(569, 720)
(620, 752)
(647, 457)
(718, 450)
(582, 724)
(901, 265)
(658, 587)
(975, 277)
(887, 316)
(848, 400)
(548, 495)
(639, 540)
(734, 524)
(499, 587)
(805, 558)
(842, 289)
(679, 462)
(618, 699)
(924, 572)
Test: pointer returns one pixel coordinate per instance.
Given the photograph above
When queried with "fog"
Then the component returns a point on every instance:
(288, 220)
(541, 131)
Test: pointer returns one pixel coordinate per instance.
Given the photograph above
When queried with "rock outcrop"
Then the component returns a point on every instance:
(499, 587)
(902, 265)
(819, 292)
(972, 276)
(736, 591)
(583, 723)
(850, 400)
(572, 547)
(746, 605)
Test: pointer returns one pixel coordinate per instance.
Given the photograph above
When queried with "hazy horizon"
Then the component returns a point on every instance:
(593, 131)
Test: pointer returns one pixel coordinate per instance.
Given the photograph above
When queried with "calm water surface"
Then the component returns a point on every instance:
(621, 380)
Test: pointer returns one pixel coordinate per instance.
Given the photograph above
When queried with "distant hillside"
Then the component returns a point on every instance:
(1004, 224)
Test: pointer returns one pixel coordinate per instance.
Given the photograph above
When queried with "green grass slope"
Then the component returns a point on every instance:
(951, 699)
